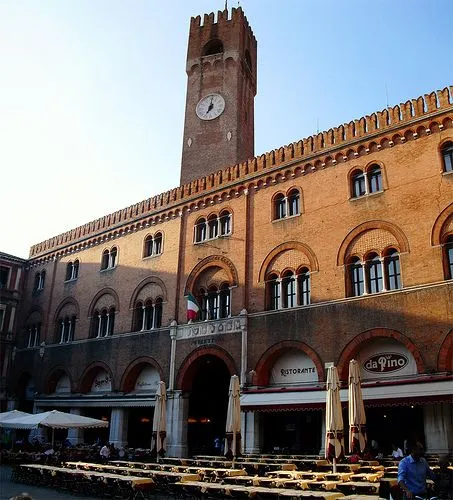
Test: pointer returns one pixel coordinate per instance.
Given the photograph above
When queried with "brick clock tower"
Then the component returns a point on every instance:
(221, 88)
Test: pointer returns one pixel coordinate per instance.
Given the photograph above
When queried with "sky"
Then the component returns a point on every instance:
(92, 92)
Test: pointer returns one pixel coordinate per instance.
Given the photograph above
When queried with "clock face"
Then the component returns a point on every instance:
(210, 107)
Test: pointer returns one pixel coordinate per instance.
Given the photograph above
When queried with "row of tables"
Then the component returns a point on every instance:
(246, 476)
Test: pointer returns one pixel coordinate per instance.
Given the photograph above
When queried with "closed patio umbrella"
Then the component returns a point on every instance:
(160, 421)
(334, 418)
(357, 418)
(233, 421)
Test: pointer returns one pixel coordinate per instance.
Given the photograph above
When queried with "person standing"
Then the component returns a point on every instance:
(104, 453)
(413, 471)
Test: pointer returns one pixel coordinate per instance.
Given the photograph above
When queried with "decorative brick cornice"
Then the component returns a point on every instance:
(381, 130)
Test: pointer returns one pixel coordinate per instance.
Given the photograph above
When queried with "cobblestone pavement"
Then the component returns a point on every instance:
(9, 489)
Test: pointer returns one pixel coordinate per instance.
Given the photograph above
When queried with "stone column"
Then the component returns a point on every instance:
(75, 436)
(438, 423)
(251, 429)
(244, 345)
(173, 335)
(118, 427)
(177, 415)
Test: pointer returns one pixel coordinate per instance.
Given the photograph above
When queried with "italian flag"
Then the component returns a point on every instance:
(192, 307)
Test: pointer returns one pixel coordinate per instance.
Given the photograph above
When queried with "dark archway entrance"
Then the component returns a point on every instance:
(207, 404)
(292, 431)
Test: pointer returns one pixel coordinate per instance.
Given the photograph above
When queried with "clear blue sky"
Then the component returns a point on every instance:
(92, 92)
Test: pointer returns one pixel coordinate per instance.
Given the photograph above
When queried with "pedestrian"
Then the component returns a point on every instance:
(217, 445)
(104, 453)
(413, 471)
(397, 452)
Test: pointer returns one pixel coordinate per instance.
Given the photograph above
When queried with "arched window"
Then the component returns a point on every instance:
(225, 223)
(68, 271)
(448, 251)
(358, 184)
(113, 255)
(447, 155)
(33, 334)
(392, 270)
(158, 244)
(148, 246)
(66, 328)
(200, 230)
(224, 297)
(95, 321)
(294, 202)
(202, 298)
(103, 323)
(213, 303)
(105, 260)
(138, 317)
(374, 179)
(375, 279)
(40, 278)
(213, 227)
(303, 282)
(72, 270)
(148, 319)
(111, 323)
(75, 270)
(289, 289)
(280, 206)
(158, 313)
(356, 277)
(273, 286)
(109, 259)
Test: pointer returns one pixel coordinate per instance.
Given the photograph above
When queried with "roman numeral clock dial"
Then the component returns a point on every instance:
(210, 106)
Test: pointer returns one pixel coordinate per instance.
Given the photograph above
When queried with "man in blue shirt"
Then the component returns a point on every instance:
(413, 471)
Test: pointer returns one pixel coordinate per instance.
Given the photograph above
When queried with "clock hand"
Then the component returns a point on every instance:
(211, 105)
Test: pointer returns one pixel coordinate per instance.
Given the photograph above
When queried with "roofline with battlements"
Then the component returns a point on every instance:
(325, 149)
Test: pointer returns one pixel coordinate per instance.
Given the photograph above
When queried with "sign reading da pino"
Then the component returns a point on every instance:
(386, 362)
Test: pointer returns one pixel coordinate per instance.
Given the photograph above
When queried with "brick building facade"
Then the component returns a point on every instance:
(335, 247)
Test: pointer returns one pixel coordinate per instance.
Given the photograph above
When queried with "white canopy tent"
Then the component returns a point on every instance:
(55, 420)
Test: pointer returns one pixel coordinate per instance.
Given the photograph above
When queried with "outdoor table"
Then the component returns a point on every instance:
(297, 474)
(322, 485)
(277, 482)
(372, 478)
(179, 476)
(340, 467)
(372, 468)
(251, 491)
(338, 476)
(359, 487)
(64, 470)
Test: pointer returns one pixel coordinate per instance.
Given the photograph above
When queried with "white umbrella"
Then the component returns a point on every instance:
(233, 421)
(334, 418)
(55, 420)
(160, 420)
(357, 418)
(8, 415)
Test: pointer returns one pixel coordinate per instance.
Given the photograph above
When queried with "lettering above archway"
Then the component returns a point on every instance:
(385, 358)
(293, 368)
(216, 261)
(101, 382)
(147, 380)
(63, 385)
